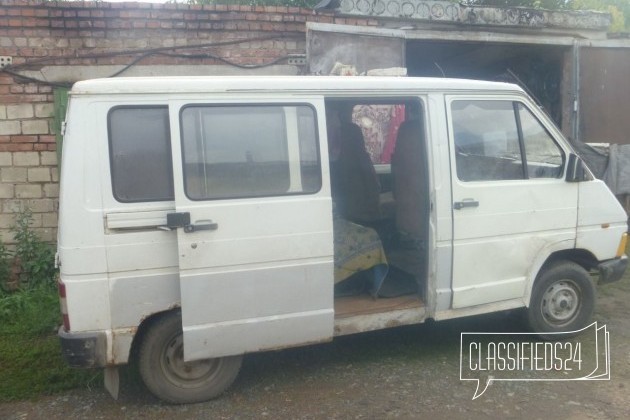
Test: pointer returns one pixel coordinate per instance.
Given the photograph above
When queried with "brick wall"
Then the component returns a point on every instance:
(28, 161)
(40, 36)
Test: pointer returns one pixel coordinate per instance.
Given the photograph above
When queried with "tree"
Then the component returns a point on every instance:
(617, 8)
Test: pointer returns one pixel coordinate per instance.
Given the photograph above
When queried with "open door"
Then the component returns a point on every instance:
(254, 227)
(604, 93)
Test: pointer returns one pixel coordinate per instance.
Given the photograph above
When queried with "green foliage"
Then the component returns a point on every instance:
(36, 258)
(30, 356)
(5, 265)
(617, 8)
(31, 311)
(33, 366)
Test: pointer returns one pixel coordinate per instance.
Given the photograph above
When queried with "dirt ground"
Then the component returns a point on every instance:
(408, 372)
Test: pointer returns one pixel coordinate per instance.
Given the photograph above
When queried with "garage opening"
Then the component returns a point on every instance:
(538, 69)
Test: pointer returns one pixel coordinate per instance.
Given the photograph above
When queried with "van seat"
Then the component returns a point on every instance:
(410, 187)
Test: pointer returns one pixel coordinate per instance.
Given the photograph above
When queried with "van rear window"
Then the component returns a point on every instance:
(249, 151)
(140, 154)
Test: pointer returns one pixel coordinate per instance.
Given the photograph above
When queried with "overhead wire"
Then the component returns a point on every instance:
(144, 53)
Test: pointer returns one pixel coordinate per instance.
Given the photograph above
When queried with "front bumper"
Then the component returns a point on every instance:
(84, 350)
(612, 270)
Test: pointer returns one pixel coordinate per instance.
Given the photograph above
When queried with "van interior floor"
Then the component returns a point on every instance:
(364, 304)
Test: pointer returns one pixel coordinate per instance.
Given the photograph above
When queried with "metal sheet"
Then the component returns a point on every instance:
(605, 95)
(364, 51)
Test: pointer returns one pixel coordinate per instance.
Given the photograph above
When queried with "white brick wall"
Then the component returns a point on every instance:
(48, 158)
(35, 127)
(13, 174)
(28, 174)
(6, 221)
(51, 190)
(44, 110)
(7, 191)
(28, 191)
(29, 180)
(26, 159)
(38, 174)
(8, 128)
(6, 159)
(17, 112)
(49, 220)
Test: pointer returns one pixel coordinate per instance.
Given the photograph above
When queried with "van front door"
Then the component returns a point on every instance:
(511, 203)
(254, 220)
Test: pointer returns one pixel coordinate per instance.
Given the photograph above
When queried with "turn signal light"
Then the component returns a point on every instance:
(622, 245)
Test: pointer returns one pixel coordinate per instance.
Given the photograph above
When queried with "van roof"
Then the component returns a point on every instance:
(281, 84)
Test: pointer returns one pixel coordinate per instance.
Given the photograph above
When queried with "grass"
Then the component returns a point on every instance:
(31, 364)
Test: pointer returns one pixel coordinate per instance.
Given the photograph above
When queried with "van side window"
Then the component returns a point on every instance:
(544, 157)
(249, 151)
(486, 141)
(496, 140)
(140, 154)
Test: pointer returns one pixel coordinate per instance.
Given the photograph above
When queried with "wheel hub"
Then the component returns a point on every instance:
(186, 374)
(561, 302)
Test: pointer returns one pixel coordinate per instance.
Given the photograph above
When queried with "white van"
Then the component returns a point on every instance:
(205, 218)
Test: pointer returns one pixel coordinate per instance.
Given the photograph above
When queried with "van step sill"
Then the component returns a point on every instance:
(364, 304)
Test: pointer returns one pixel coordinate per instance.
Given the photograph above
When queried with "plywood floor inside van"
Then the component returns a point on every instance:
(364, 304)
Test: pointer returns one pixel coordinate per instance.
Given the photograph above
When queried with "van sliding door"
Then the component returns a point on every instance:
(255, 227)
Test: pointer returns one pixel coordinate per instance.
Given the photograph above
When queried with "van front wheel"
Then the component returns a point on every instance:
(169, 377)
(563, 300)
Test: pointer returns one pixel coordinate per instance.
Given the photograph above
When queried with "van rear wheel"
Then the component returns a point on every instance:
(563, 300)
(169, 377)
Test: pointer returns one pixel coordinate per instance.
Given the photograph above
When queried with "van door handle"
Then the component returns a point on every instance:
(466, 202)
(201, 225)
(182, 220)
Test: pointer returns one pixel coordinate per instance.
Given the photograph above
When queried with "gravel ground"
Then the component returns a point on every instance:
(407, 372)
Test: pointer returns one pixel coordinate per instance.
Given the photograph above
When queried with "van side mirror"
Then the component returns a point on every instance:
(576, 171)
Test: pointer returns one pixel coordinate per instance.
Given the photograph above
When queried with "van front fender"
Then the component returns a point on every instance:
(544, 255)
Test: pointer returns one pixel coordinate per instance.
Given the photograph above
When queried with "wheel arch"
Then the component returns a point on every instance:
(167, 375)
(144, 326)
(580, 256)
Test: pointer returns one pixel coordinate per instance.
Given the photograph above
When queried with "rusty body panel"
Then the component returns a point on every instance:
(355, 314)
(379, 320)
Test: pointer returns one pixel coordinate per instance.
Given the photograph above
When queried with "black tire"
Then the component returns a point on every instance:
(563, 300)
(169, 378)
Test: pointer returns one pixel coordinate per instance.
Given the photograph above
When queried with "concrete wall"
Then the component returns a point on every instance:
(68, 41)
